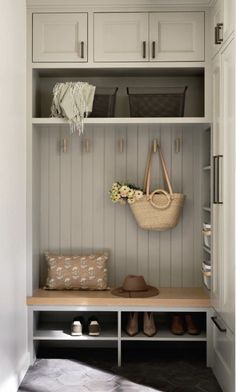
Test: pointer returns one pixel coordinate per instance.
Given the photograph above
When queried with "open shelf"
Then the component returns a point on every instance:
(124, 120)
(194, 78)
(61, 331)
(165, 335)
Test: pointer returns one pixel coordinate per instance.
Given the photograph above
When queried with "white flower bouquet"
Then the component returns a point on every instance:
(125, 193)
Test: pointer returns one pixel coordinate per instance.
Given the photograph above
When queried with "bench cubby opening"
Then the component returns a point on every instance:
(52, 323)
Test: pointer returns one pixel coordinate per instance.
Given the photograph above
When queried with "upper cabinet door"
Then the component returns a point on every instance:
(177, 36)
(120, 37)
(60, 37)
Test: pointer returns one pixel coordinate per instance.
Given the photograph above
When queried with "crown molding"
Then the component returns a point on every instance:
(46, 4)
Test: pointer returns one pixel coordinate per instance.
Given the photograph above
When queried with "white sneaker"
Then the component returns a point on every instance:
(76, 328)
(94, 328)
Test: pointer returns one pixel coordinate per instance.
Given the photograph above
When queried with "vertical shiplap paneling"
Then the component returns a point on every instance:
(120, 210)
(132, 177)
(77, 214)
(87, 191)
(176, 233)
(188, 224)
(165, 236)
(109, 207)
(197, 210)
(143, 235)
(44, 197)
(76, 193)
(65, 191)
(99, 191)
(54, 196)
(154, 236)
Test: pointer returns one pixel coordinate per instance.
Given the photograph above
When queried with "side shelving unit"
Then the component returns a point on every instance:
(207, 211)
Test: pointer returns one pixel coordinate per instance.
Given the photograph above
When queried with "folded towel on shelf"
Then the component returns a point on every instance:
(73, 101)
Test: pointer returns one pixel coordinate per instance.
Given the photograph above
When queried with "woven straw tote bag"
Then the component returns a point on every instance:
(159, 210)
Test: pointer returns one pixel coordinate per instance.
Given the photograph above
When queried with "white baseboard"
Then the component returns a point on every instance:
(12, 383)
(23, 367)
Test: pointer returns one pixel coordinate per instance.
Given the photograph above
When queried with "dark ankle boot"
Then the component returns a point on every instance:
(177, 326)
(192, 328)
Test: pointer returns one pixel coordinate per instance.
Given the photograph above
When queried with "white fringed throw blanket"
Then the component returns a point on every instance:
(73, 101)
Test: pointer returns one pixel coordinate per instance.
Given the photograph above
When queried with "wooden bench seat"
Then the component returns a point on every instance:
(168, 298)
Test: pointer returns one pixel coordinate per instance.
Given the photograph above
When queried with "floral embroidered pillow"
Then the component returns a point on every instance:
(77, 272)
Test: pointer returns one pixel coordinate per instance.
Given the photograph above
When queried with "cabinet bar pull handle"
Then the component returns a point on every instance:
(214, 180)
(153, 49)
(82, 49)
(214, 319)
(217, 42)
(144, 49)
(220, 179)
(220, 32)
(217, 180)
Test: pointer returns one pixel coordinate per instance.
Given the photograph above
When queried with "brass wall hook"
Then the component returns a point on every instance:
(87, 144)
(64, 145)
(154, 145)
(121, 144)
(177, 145)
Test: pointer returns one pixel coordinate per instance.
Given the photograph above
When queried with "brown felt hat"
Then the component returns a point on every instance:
(135, 287)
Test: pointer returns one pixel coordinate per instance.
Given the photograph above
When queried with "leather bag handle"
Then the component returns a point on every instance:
(147, 177)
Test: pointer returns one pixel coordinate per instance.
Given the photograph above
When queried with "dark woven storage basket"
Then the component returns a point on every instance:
(156, 101)
(104, 102)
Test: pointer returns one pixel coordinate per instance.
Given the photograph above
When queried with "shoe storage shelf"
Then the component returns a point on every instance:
(52, 314)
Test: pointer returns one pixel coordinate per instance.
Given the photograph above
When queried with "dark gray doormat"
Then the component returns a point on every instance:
(95, 370)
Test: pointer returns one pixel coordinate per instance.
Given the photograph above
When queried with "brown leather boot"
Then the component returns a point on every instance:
(177, 326)
(149, 326)
(192, 328)
(132, 325)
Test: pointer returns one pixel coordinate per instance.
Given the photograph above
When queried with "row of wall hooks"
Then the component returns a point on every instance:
(87, 145)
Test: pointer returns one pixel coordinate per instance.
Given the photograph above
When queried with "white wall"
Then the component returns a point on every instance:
(13, 323)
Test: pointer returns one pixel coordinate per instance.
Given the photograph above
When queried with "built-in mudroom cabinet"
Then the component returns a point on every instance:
(121, 47)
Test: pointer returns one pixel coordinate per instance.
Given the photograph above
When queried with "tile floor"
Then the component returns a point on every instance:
(143, 370)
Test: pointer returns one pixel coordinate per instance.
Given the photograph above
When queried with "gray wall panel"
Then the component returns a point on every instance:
(78, 216)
